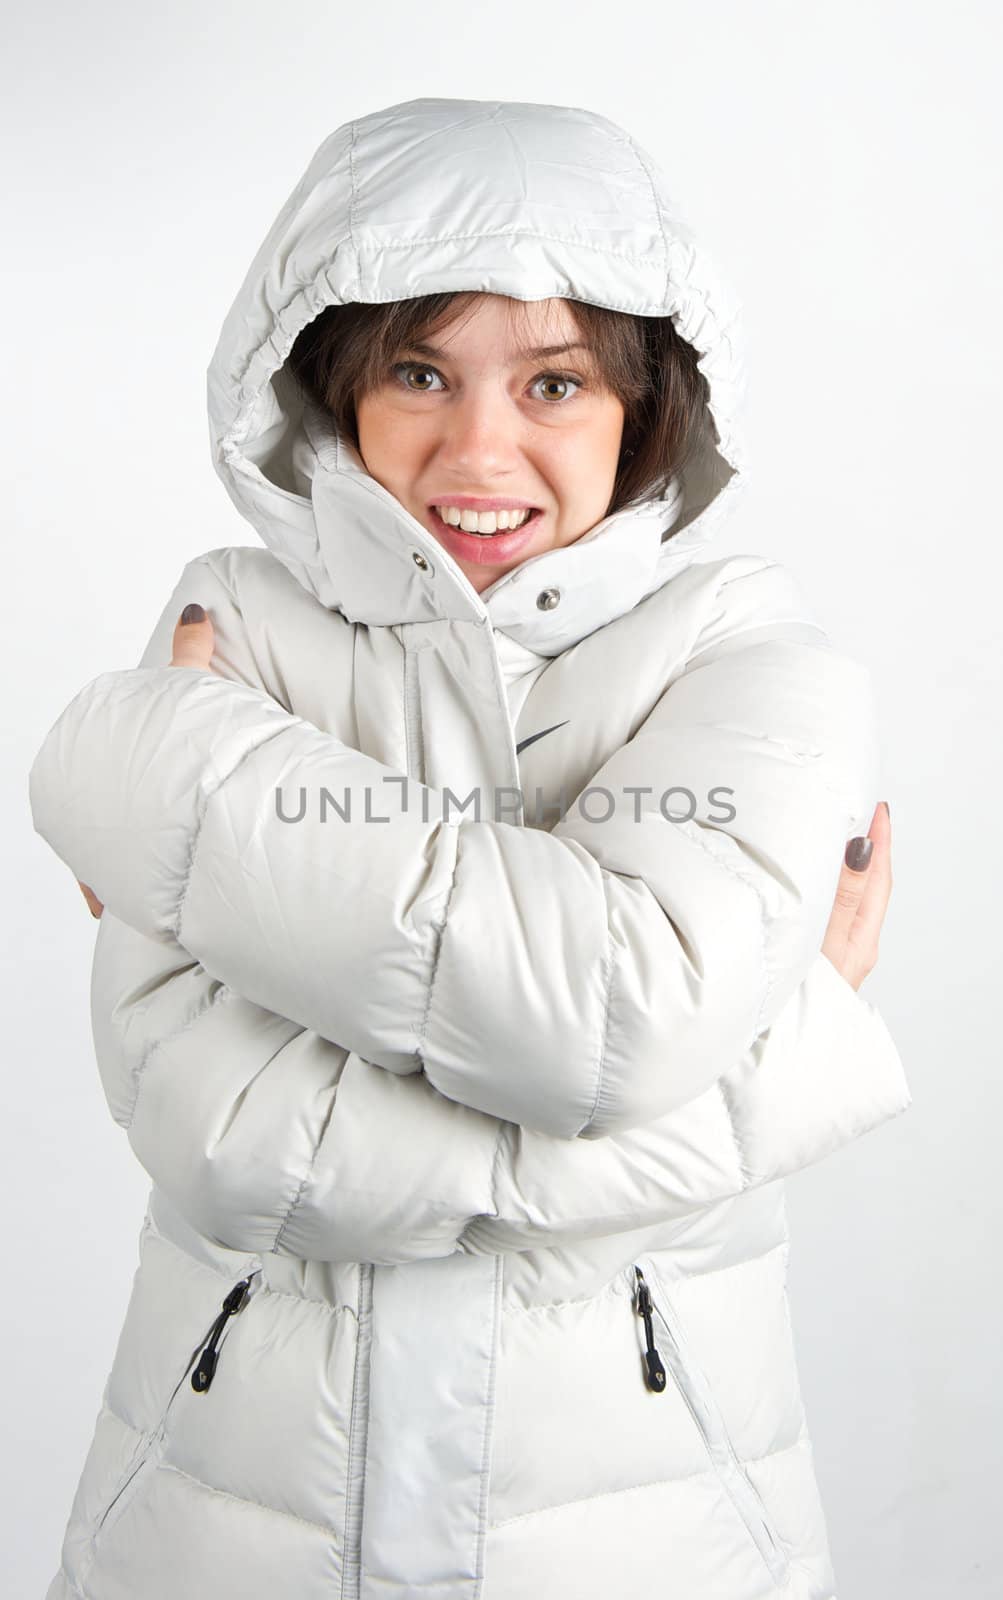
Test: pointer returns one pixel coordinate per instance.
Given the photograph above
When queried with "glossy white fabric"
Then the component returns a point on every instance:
(437, 1086)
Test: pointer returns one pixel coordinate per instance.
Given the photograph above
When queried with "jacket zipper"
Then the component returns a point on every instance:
(412, 713)
(699, 1400)
(358, 1436)
(235, 1301)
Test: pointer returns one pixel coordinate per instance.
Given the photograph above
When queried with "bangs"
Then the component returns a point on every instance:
(347, 350)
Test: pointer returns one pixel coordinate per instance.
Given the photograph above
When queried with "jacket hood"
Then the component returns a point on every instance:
(503, 197)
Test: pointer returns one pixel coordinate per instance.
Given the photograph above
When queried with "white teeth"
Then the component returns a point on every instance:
(485, 522)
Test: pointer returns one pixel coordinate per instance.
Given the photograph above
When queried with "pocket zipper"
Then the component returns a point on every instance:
(235, 1301)
(698, 1398)
(654, 1371)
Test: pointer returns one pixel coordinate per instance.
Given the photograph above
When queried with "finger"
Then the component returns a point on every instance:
(852, 882)
(194, 639)
(93, 902)
(866, 929)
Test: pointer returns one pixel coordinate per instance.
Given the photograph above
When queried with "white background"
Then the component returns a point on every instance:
(842, 164)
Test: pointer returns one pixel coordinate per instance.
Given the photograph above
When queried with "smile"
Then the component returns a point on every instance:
(485, 524)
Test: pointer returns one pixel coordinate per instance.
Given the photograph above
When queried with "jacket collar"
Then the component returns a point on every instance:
(340, 237)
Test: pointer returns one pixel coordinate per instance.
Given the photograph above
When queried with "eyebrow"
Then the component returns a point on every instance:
(536, 353)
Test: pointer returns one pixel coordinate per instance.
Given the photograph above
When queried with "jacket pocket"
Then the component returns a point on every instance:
(667, 1347)
(203, 1358)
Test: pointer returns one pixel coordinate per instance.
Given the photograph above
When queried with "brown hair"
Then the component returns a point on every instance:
(347, 350)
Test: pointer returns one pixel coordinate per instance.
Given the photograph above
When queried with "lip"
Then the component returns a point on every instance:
(484, 550)
(473, 502)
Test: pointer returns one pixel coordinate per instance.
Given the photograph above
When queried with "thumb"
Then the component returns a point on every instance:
(194, 639)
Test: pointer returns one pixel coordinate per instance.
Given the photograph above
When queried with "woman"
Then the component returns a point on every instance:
(470, 977)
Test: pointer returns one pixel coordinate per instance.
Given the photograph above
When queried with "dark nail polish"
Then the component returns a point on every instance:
(193, 613)
(858, 854)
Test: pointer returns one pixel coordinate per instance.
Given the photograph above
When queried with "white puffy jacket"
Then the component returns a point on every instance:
(467, 1135)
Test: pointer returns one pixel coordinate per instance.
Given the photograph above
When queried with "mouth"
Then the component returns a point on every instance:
(515, 517)
(469, 545)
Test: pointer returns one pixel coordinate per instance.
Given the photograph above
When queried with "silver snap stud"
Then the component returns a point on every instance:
(419, 561)
(547, 599)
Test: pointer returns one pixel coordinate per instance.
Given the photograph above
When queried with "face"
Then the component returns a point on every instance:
(472, 422)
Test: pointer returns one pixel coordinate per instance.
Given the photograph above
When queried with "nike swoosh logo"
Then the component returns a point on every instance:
(534, 736)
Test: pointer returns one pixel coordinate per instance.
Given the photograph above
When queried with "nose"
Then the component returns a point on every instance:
(482, 433)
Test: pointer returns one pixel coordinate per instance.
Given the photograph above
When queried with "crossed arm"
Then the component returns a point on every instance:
(853, 931)
(807, 1063)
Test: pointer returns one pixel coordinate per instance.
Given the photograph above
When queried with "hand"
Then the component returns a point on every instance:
(193, 645)
(851, 938)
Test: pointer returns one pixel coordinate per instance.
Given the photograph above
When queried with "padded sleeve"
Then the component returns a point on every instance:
(267, 1138)
(625, 966)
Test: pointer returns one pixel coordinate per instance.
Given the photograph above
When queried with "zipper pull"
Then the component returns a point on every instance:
(654, 1372)
(203, 1375)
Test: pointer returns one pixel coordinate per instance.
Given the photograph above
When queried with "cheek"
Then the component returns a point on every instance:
(384, 442)
(371, 424)
(588, 465)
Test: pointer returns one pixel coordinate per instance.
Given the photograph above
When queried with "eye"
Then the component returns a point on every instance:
(407, 367)
(404, 370)
(558, 378)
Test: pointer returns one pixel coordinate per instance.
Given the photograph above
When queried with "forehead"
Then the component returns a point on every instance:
(503, 325)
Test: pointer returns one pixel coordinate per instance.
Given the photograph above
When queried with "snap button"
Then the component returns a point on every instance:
(419, 561)
(547, 599)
